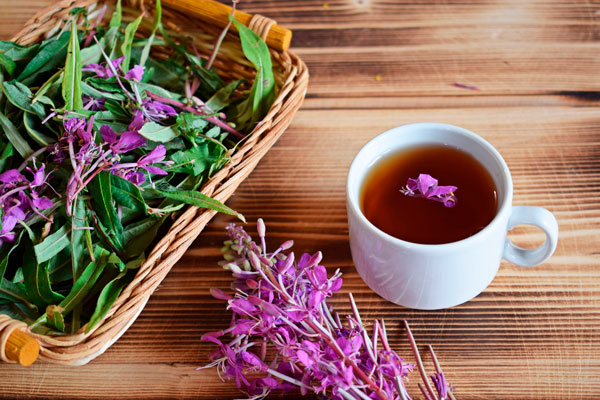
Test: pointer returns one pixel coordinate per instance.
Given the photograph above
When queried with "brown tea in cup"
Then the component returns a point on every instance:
(421, 220)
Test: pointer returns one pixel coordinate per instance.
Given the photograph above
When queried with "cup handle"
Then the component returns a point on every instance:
(536, 216)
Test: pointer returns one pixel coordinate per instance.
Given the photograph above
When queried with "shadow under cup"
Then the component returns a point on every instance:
(420, 275)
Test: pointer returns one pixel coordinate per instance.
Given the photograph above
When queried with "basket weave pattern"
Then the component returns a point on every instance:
(292, 76)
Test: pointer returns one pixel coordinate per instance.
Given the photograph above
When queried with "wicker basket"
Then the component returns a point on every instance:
(292, 76)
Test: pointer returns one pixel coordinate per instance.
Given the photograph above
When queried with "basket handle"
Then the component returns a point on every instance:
(217, 13)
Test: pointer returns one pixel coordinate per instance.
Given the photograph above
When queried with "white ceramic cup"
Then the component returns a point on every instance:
(427, 276)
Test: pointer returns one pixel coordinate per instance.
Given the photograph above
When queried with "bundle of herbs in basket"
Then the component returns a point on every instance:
(108, 135)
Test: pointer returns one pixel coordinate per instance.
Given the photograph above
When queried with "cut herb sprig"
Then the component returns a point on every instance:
(284, 335)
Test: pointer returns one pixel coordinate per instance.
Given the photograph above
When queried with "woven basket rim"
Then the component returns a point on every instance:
(78, 349)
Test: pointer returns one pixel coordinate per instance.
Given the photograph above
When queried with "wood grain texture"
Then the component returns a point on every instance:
(533, 334)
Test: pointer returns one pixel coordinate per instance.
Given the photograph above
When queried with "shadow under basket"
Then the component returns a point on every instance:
(291, 79)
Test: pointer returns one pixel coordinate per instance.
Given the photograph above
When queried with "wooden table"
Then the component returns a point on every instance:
(534, 333)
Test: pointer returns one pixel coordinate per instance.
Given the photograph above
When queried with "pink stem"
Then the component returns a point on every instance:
(187, 108)
(420, 365)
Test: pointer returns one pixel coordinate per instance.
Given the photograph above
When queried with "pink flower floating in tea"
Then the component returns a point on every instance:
(426, 186)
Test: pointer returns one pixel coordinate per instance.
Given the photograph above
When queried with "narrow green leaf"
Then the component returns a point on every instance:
(4, 262)
(13, 135)
(7, 63)
(29, 124)
(92, 91)
(37, 280)
(77, 237)
(52, 53)
(158, 133)
(71, 84)
(106, 299)
(168, 74)
(198, 199)
(222, 98)
(53, 80)
(55, 318)
(13, 292)
(157, 22)
(52, 244)
(117, 16)
(86, 281)
(16, 52)
(262, 93)
(101, 190)
(128, 41)
(138, 236)
(21, 97)
(127, 194)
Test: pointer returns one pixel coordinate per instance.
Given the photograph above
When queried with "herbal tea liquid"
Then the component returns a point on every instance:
(425, 221)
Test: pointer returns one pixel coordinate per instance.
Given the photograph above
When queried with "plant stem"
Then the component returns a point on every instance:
(192, 110)
(213, 55)
(420, 365)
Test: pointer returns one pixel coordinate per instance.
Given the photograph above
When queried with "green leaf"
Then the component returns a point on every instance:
(71, 84)
(117, 16)
(7, 63)
(37, 280)
(143, 86)
(194, 161)
(158, 133)
(16, 52)
(92, 91)
(4, 262)
(13, 292)
(197, 199)
(101, 190)
(52, 244)
(128, 41)
(52, 53)
(77, 237)
(127, 194)
(86, 281)
(29, 124)
(139, 235)
(262, 93)
(21, 97)
(54, 79)
(15, 138)
(106, 299)
(222, 97)
(55, 317)
(168, 74)
(148, 45)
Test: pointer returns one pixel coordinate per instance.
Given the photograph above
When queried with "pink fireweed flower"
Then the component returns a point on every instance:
(280, 307)
(426, 187)
(104, 71)
(21, 197)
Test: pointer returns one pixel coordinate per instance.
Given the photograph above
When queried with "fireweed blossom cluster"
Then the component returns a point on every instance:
(426, 186)
(89, 156)
(21, 197)
(280, 312)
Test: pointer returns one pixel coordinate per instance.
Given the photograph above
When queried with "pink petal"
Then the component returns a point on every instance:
(425, 182)
(155, 170)
(130, 140)
(11, 176)
(136, 73)
(42, 203)
(157, 154)
(108, 134)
